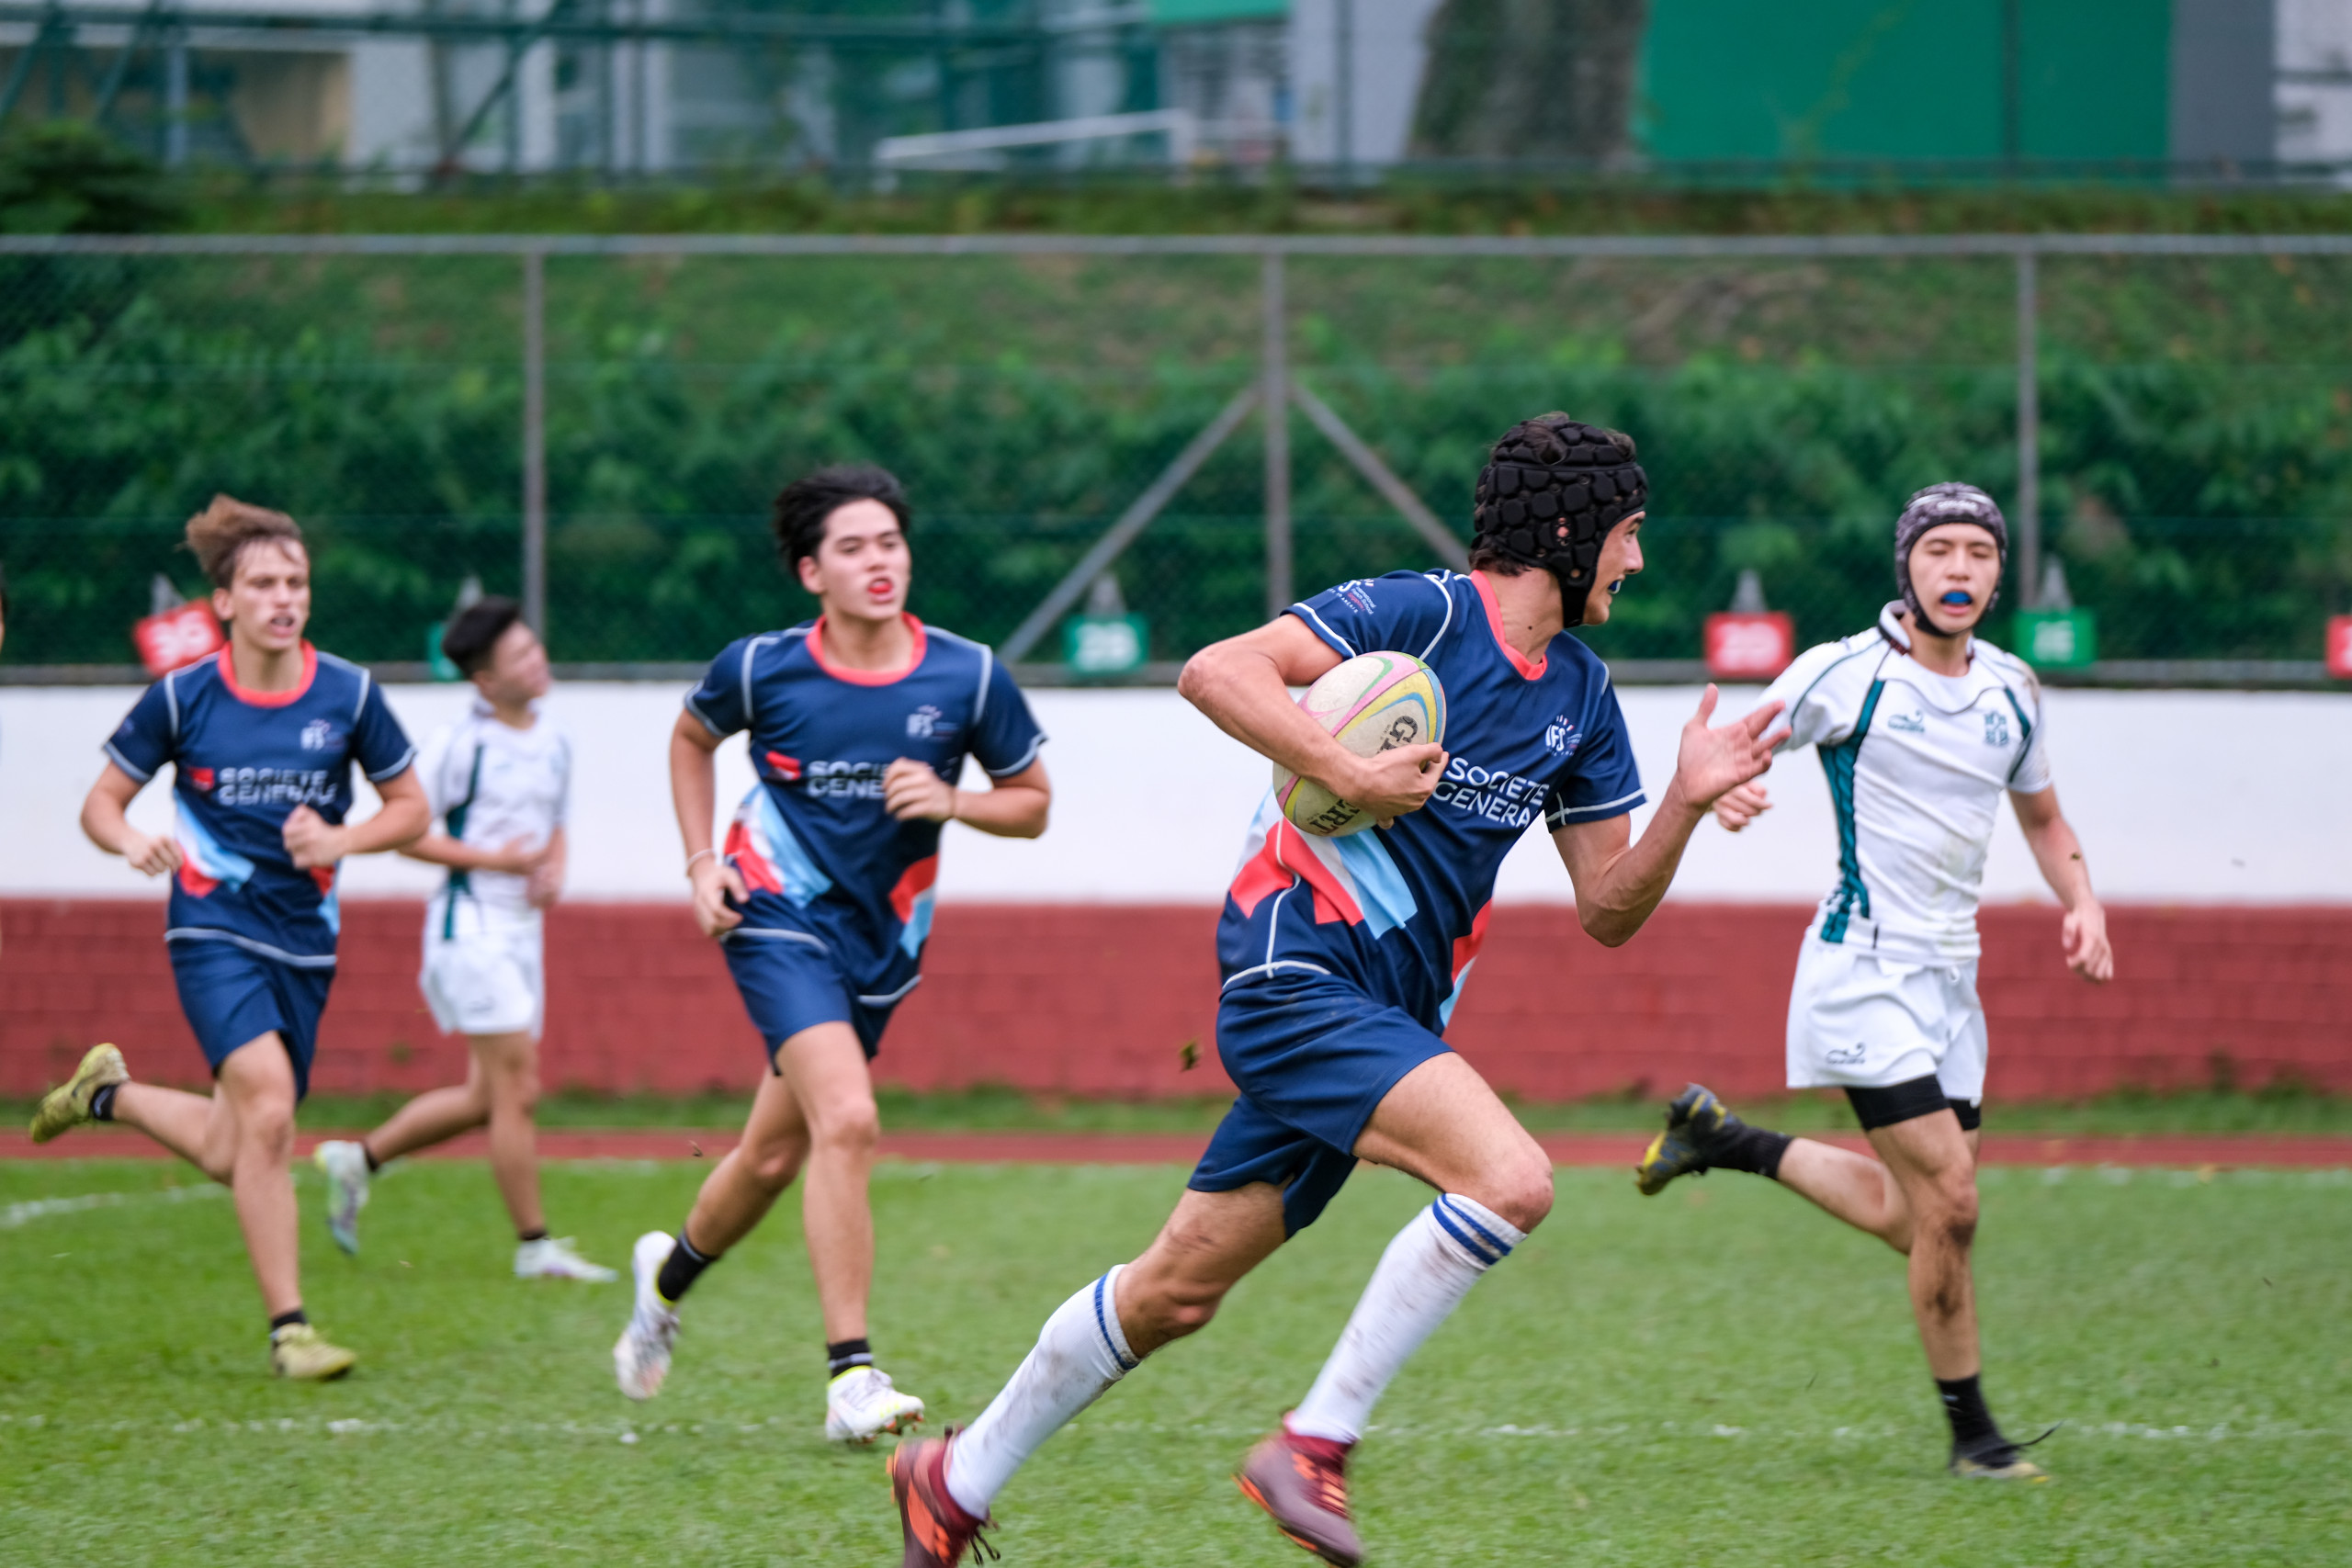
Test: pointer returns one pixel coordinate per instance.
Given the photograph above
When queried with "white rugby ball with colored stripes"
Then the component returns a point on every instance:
(1372, 703)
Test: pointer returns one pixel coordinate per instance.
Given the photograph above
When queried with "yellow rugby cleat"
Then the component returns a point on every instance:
(1997, 1459)
(298, 1352)
(68, 1105)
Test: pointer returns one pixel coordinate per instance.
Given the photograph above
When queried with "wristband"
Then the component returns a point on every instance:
(696, 856)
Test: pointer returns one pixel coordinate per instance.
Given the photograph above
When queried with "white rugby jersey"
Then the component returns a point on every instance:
(1917, 763)
(491, 783)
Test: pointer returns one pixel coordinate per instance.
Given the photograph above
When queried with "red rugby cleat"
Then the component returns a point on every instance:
(937, 1528)
(1302, 1483)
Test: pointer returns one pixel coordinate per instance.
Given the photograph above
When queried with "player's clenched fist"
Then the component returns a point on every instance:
(715, 882)
(1391, 783)
(913, 792)
(1742, 804)
(150, 855)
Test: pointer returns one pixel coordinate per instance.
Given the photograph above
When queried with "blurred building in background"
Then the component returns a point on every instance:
(644, 87)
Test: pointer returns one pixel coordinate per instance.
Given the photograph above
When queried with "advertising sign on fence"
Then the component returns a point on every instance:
(1100, 646)
(2058, 640)
(2339, 647)
(1750, 644)
(174, 637)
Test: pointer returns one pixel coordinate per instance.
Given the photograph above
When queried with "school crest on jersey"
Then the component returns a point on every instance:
(318, 736)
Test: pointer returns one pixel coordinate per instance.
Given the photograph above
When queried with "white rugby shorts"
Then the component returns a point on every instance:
(1860, 1021)
(486, 981)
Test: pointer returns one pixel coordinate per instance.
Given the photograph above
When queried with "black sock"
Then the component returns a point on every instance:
(286, 1320)
(1972, 1423)
(681, 1269)
(374, 1165)
(538, 1235)
(102, 1102)
(841, 1355)
(1741, 1148)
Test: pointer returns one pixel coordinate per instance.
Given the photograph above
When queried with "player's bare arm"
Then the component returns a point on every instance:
(1015, 808)
(519, 856)
(547, 876)
(2059, 854)
(313, 841)
(693, 792)
(1243, 684)
(1620, 882)
(105, 825)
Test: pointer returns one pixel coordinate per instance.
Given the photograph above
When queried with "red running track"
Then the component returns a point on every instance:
(2180, 1150)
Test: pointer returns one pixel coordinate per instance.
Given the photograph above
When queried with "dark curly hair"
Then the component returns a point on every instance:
(802, 506)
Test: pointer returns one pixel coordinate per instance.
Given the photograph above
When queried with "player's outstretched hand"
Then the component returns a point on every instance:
(715, 881)
(1742, 804)
(518, 856)
(2084, 934)
(310, 841)
(1712, 761)
(149, 855)
(1390, 783)
(913, 792)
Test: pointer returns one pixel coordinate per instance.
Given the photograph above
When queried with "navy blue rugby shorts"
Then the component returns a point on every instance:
(790, 981)
(1313, 1057)
(232, 996)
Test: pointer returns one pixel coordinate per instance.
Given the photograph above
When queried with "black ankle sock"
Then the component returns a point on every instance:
(102, 1103)
(538, 1235)
(286, 1319)
(681, 1269)
(1963, 1398)
(840, 1355)
(374, 1165)
(1741, 1148)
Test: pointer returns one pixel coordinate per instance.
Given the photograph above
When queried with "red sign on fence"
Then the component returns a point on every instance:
(176, 637)
(2339, 647)
(1749, 646)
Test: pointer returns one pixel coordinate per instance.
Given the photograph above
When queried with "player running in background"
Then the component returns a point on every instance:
(1921, 728)
(859, 724)
(497, 780)
(263, 737)
(1342, 960)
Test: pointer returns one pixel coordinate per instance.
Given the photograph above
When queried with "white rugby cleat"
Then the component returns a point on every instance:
(552, 1258)
(860, 1405)
(641, 1356)
(344, 1165)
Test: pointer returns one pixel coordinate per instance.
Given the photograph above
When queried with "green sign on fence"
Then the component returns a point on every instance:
(2058, 640)
(1100, 646)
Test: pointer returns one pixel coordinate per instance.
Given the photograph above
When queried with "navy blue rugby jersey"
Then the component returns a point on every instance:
(1400, 912)
(244, 761)
(821, 859)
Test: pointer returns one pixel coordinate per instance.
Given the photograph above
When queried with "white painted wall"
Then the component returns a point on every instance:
(2221, 797)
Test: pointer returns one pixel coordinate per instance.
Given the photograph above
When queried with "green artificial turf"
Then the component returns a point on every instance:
(1719, 1376)
(2283, 1109)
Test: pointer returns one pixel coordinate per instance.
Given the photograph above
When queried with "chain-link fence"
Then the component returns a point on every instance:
(2193, 398)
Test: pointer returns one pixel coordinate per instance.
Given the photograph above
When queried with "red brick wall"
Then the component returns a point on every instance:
(1098, 999)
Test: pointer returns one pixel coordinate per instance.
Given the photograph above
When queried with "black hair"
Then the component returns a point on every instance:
(473, 632)
(802, 506)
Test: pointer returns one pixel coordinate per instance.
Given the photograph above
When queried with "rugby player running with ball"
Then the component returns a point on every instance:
(821, 897)
(1343, 957)
(1922, 728)
(263, 737)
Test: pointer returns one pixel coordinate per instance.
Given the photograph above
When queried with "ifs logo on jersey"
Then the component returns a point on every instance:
(1561, 735)
(317, 735)
(927, 723)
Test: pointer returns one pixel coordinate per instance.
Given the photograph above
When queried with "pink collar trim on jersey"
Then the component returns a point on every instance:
(867, 677)
(269, 699)
(1519, 661)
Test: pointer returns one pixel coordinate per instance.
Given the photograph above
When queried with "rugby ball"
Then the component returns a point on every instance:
(1371, 703)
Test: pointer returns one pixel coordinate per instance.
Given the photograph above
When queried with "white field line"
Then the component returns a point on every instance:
(438, 1428)
(19, 1213)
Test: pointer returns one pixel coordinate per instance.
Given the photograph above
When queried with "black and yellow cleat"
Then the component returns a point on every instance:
(1996, 1457)
(68, 1105)
(1695, 1123)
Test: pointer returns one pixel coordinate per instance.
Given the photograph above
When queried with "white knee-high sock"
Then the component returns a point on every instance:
(1080, 1352)
(1421, 1279)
